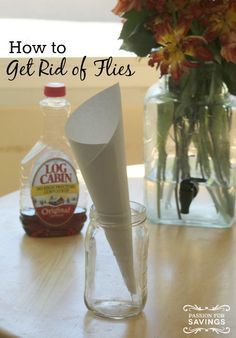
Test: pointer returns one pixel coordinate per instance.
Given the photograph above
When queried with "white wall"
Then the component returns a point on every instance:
(78, 10)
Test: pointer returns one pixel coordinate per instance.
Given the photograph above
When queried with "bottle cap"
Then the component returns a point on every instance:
(55, 89)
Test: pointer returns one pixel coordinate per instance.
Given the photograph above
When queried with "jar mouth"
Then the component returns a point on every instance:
(138, 215)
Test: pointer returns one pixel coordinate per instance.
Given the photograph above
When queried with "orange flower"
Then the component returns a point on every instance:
(194, 10)
(178, 4)
(176, 48)
(228, 50)
(220, 19)
(162, 6)
(159, 6)
(126, 6)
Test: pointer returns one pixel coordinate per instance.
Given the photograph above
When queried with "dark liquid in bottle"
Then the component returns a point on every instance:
(35, 227)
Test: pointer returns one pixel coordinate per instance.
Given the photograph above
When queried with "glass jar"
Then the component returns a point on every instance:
(190, 150)
(108, 290)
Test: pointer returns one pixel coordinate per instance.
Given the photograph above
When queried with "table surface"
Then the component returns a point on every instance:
(42, 280)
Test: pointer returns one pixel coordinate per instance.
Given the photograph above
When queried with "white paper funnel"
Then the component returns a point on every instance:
(95, 132)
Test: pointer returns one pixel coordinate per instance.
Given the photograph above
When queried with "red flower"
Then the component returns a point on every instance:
(176, 48)
(162, 6)
(195, 10)
(159, 6)
(220, 19)
(178, 4)
(228, 51)
(126, 6)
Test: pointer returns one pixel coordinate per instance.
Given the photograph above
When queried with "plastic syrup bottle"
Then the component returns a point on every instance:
(49, 192)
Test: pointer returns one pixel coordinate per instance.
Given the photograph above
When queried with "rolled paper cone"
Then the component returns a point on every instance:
(95, 132)
(120, 240)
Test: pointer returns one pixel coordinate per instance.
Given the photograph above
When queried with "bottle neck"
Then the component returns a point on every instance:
(55, 113)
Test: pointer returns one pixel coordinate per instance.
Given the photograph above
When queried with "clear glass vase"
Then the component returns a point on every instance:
(190, 150)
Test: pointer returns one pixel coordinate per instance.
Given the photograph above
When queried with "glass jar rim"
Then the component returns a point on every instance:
(138, 215)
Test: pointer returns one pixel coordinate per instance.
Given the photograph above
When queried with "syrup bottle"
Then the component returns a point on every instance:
(49, 191)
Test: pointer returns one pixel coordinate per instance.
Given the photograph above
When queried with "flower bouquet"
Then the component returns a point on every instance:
(190, 125)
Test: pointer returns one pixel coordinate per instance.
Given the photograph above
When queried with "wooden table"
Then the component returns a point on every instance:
(42, 281)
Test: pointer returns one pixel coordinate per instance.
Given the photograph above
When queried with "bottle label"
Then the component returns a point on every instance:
(55, 191)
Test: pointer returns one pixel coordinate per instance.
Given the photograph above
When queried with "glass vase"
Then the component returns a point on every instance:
(190, 150)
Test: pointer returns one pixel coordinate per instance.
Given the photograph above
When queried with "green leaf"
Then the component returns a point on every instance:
(136, 37)
(140, 42)
(133, 19)
(229, 76)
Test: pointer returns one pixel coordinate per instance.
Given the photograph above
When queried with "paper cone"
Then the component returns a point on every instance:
(95, 132)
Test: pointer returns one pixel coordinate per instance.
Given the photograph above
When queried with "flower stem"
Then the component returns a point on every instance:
(176, 169)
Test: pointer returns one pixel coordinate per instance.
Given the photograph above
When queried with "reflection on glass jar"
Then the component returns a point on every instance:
(116, 265)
